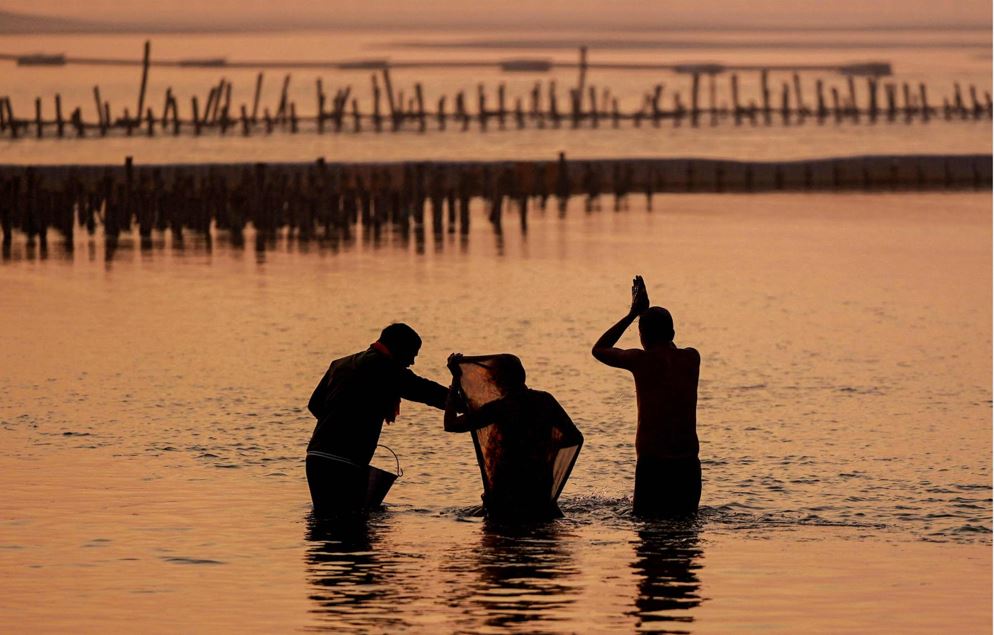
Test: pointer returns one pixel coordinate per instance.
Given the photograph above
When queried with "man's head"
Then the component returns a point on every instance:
(656, 327)
(402, 341)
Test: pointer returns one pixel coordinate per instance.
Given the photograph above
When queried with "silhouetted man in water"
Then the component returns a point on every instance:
(530, 428)
(668, 471)
(353, 399)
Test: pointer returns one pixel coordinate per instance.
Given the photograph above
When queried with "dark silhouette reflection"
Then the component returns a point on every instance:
(527, 576)
(667, 557)
(350, 575)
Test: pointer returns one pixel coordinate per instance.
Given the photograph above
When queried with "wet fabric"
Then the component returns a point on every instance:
(356, 395)
(526, 444)
(667, 487)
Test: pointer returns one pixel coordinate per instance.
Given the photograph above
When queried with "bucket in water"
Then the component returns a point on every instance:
(380, 482)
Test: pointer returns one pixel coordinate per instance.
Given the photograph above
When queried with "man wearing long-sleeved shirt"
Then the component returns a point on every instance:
(353, 399)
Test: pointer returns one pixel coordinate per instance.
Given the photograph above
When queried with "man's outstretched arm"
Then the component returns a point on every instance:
(604, 350)
(415, 388)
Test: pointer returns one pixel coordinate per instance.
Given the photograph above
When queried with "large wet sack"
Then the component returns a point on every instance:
(478, 386)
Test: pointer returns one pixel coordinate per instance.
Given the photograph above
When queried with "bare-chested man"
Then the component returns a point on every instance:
(668, 471)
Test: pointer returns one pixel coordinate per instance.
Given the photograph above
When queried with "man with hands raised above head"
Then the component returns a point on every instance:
(668, 470)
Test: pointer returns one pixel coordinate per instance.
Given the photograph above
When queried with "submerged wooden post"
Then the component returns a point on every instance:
(174, 106)
(356, 118)
(60, 124)
(77, 121)
(871, 86)
(501, 109)
(144, 84)
(377, 117)
(890, 90)
(150, 123)
(245, 121)
(387, 86)
(975, 102)
(11, 119)
(553, 106)
(694, 97)
(820, 96)
(100, 110)
(656, 110)
(440, 112)
(712, 95)
(736, 109)
(908, 107)
(212, 95)
(923, 96)
(166, 105)
(461, 113)
(593, 107)
(38, 123)
(255, 99)
(853, 109)
(196, 115)
(535, 108)
(958, 100)
(281, 108)
(801, 108)
(785, 102)
(764, 79)
(420, 98)
(481, 100)
(320, 97)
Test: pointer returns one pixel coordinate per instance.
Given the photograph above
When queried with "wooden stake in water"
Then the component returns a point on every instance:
(38, 117)
(144, 84)
(255, 99)
(60, 124)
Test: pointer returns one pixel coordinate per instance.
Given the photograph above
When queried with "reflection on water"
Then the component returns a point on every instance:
(349, 577)
(527, 576)
(667, 558)
(512, 578)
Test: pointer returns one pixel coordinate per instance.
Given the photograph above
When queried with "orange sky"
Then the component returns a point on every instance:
(718, 13)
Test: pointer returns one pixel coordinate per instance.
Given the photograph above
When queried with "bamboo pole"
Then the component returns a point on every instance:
(256, 97)
(60, 124)
(144, 83)
(38, 122)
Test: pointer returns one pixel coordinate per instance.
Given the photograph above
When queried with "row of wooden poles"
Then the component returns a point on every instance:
(585, 105)
(328, 200)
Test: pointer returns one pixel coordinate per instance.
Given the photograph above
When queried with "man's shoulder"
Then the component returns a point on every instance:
(690, 353)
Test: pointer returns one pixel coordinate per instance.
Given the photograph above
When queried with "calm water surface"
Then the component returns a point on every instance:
(154, 421)
(937, 58)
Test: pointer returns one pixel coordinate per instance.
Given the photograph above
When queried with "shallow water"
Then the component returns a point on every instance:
(154, 424)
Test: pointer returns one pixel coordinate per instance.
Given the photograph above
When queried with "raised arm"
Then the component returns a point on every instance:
(458, 421)
(604, 350)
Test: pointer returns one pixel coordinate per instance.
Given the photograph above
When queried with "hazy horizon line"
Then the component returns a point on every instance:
(29, 24)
